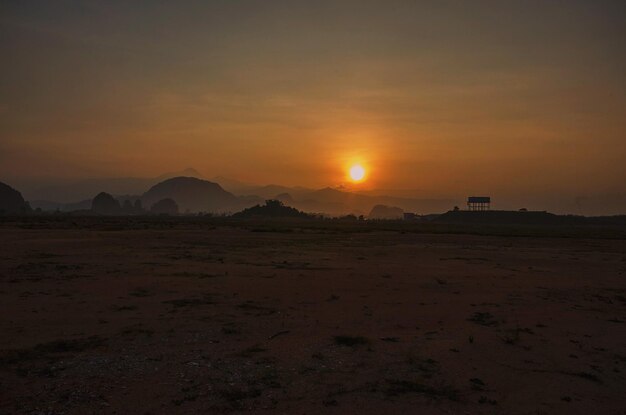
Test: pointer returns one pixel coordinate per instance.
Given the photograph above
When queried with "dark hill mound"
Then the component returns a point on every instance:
(11, 201)
(194, 195)
(271, 209)
(105, 204)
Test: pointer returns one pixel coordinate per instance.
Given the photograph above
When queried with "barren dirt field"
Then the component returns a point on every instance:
(186, 318)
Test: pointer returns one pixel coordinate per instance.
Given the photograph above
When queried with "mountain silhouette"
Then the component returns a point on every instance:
(233, 185)
(196, 195)
(80, 190)
(271, 209)
(335, 201)
(77, 195)
(340, 202)
(105, 204)
(11, 201)
(284, 198)
(265, 191)
(188, 172)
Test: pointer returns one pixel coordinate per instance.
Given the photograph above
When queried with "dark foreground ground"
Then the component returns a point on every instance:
(119, 316)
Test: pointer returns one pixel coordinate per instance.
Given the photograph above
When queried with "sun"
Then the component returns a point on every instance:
(357, 173)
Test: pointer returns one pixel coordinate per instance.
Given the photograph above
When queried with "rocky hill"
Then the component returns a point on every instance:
(11, 201)
(196, 195)
(271, 209)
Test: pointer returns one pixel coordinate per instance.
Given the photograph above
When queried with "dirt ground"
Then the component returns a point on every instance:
(223, 319)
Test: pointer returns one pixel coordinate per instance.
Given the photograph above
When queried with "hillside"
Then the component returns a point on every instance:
(71, 192)
(271, 209)
(11, 201)
(339, 202)
(196, 195)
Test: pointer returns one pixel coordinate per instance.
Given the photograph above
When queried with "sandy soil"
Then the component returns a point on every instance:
(227, 320)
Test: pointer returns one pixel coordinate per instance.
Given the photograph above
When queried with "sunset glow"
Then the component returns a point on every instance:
(292, 195)
(357, 173)
(435, 100)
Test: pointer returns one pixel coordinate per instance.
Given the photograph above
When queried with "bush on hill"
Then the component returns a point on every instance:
(271, 209)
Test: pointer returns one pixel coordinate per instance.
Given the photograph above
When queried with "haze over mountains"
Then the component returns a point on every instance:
(219, 194)
(224, 195)
(78, 190)
(197, 195)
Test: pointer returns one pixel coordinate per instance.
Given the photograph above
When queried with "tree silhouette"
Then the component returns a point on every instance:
(105, 204)
(272, 208)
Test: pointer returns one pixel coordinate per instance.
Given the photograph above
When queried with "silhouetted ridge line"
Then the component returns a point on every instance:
(106, 204)
(196, 195)
(11, 201)
(271, 209)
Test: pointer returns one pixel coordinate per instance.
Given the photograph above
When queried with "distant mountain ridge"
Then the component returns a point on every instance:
(335, 201)
(197, 195)
(77, 195)
(188, 172)
(11, 201)
(75, 191)
(271, 209)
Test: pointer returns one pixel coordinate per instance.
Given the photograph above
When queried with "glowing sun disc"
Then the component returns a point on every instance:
(357, 173)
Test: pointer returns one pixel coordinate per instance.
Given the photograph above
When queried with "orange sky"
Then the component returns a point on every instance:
(443, 97)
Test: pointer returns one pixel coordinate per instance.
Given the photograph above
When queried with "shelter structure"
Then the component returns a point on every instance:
(478, 203)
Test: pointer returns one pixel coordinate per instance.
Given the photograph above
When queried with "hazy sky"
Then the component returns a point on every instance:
(447, 97)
